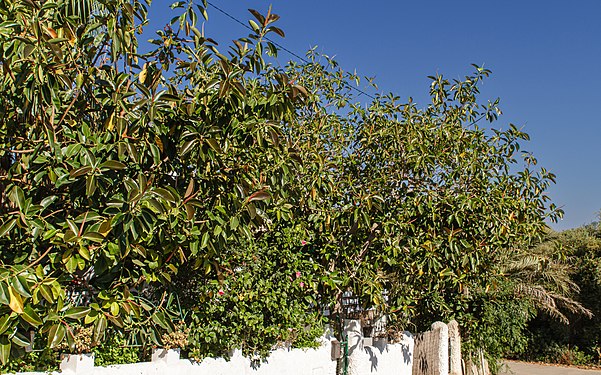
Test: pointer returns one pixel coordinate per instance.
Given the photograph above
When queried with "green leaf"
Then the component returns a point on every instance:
(205, 240)
(156, 154)
(77, 312)
(90, 185)
(48, 201)
(4, 350)
(234, 223)
(72, 226)
(80, 171)
(57, 40)
(114, 309)
(4, 323)
(90, 318)
(56, 335)
(16, 302)
(113, 165)
(156, 205)
(31, 317)
(46, 292)
(4, 296)
(20, 340)
(254, 26)
(187, 147)
(165, 194)
(159, 318)
(117, 321)
(93, 236)
(99, 328)
(214, 145)
(7, 227)
(193, 250)
(84, 252)
(79, 80)
(18, 197)
(71, 264)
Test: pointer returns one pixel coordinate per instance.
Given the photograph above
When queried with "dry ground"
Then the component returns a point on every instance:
(523, 368)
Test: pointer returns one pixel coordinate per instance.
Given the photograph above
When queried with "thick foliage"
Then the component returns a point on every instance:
(114, 175)
(183, 185)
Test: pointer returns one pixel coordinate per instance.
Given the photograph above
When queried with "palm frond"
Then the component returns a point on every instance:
(551, 303)
(543, 275)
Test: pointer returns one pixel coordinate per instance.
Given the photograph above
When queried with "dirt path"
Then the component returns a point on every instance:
(522, 368)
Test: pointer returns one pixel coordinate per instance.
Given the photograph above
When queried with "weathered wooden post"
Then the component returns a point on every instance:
(455, 348)
(478, 365)
(431, 352)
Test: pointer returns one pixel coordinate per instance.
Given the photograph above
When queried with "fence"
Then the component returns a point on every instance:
(425, 354)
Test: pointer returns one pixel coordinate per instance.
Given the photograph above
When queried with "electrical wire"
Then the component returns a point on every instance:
(292, 53)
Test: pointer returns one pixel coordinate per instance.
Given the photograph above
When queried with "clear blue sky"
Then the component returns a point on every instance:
(545, 57)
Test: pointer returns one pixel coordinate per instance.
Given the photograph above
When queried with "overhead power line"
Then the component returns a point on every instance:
(292, 53)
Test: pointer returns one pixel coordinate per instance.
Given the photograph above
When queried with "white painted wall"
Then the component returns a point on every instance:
(380, 359)
(281, 362)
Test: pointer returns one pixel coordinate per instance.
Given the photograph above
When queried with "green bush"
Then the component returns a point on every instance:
(565, 355)
(115, 350)
(496, 325)
(44, 360)
(263, 296)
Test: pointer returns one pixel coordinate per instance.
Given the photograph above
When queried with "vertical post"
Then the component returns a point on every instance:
(455, 348)
(441, 334)
(478, 364)
(354, 345)
(431, 351)
(345, 355)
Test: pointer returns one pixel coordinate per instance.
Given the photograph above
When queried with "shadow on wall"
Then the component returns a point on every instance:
(375, 355)
(382, 346)
(373, 359)
(407, 353)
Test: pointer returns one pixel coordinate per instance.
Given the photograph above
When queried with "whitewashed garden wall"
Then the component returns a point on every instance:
(431, 350)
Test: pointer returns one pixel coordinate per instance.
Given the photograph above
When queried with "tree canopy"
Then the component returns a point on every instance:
(210, 187)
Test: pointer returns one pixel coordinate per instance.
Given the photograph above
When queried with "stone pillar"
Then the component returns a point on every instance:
(455, 348)
(431, 353)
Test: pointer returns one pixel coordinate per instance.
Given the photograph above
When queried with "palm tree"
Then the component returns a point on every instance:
(542, 274)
